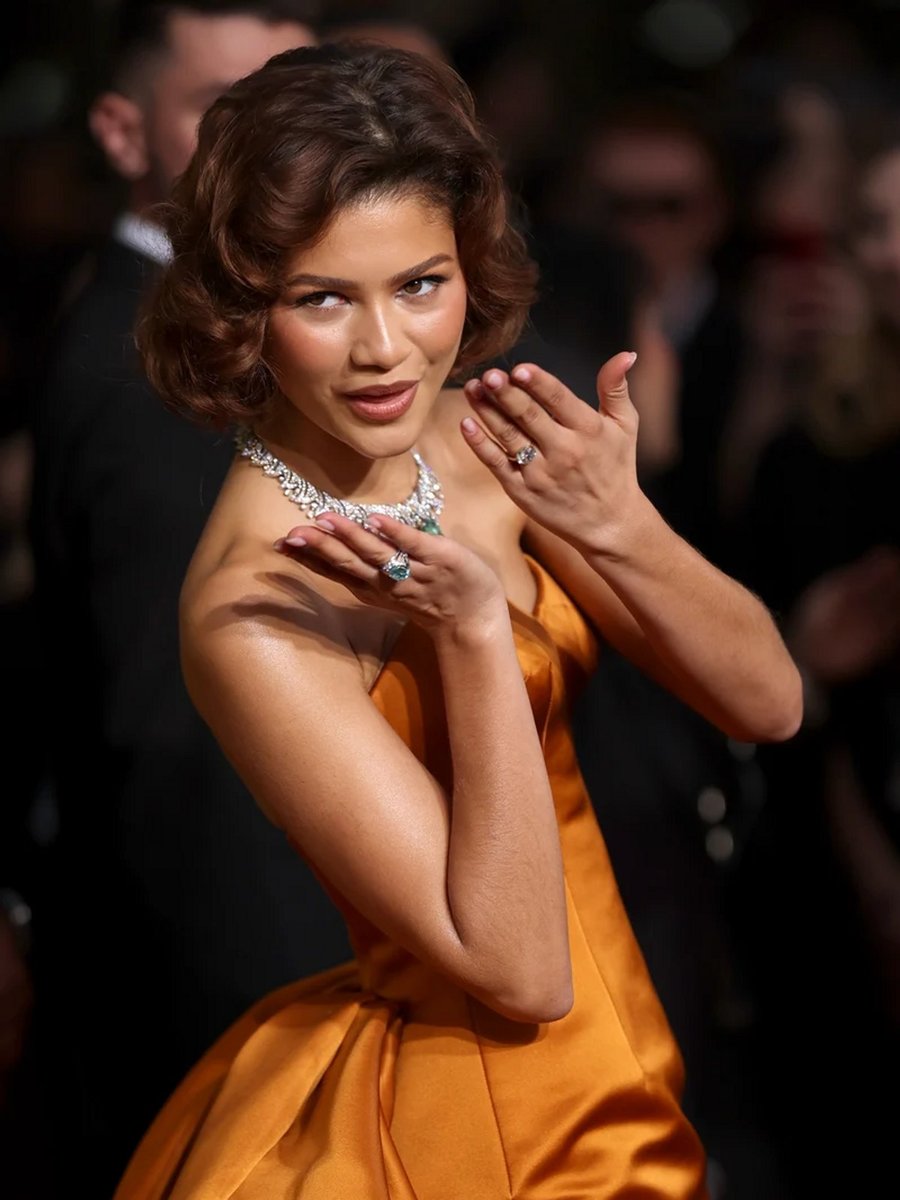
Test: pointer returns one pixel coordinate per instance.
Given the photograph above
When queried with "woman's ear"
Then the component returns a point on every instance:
(117, 124)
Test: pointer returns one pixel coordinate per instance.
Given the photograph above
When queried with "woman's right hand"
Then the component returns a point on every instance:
(450, 589)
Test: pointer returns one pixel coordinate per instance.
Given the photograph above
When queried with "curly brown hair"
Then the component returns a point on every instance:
(312, 131)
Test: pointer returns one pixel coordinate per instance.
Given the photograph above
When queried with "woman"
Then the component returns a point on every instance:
(391, 679)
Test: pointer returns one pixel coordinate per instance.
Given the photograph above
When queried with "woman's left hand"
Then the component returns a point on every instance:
(581, 483)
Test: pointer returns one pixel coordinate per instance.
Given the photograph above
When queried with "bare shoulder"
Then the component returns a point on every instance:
(252, 596)
(255, 612)
(272, 656)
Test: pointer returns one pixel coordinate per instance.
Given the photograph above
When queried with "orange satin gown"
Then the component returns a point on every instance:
(379, 1080)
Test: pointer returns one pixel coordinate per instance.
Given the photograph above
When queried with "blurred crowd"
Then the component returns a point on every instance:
(736, 221)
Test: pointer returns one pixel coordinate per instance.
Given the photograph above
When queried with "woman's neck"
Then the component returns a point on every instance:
(334, 467)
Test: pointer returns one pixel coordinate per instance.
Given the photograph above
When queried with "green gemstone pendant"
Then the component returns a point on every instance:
(429, 525)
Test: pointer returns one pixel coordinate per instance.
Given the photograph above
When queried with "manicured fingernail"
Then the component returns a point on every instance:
(294, 540)
(632, 359)
(477, 392)
(493, 379)
(469, 425)
(521, 375)
(324, 523)
(278, 544)
(374, 523)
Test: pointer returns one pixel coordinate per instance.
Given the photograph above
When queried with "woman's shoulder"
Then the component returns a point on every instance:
(245, 606)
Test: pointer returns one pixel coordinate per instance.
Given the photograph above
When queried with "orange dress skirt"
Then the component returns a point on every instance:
(379, 1080)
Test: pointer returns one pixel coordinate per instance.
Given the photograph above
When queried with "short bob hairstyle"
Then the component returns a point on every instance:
(280, 153)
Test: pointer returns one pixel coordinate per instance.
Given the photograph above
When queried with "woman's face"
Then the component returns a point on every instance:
(367, 328)
(877, 242)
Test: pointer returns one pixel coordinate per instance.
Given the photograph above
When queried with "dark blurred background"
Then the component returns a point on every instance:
(715, 183)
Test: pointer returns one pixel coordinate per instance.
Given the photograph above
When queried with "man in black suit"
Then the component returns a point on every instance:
(173, 903)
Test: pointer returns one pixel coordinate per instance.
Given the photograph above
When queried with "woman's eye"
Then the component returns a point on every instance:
(320, 300)
(424, 286)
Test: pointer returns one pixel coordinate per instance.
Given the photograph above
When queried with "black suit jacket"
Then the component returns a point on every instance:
(174, 904)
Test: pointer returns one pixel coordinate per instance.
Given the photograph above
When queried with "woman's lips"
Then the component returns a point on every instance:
(383, 406)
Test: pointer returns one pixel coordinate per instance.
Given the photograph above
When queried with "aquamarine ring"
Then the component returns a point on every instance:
(397, 566)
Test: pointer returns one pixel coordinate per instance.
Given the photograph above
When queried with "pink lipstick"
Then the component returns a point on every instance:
(383, 402)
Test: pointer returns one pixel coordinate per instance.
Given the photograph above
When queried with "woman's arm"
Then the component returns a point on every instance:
(682, 620)
(687, 625)
(471, 883)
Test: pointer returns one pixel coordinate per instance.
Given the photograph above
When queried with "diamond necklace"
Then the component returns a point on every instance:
(420, 509)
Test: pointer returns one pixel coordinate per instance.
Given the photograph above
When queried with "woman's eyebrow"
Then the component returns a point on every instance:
(332, 283)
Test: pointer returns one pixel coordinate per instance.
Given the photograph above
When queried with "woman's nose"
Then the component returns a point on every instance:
(379, 340)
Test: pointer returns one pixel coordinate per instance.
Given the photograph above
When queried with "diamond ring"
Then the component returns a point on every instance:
(525, 454)
(397, 566)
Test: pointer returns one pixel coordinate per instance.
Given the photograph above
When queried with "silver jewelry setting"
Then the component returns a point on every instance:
(397, 566)
(525, 454)
(421, 509)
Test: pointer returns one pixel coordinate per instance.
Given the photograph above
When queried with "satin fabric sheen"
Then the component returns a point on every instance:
(378, 1080)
